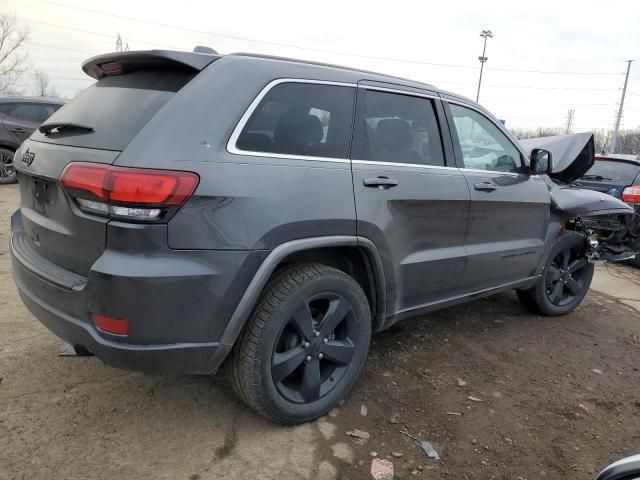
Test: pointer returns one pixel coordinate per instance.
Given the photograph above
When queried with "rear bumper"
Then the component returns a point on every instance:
(177, 303)
(179, 358)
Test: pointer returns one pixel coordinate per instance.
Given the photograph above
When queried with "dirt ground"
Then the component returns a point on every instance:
(500, 393)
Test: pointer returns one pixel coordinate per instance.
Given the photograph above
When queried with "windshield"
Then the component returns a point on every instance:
(613, 170)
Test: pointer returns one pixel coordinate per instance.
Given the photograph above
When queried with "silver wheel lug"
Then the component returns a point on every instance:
(305, 344)
(316, 333)
(308, 359)
(326, 340)
(320, 356)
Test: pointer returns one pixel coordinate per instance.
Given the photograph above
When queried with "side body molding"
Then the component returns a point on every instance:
(260, 279)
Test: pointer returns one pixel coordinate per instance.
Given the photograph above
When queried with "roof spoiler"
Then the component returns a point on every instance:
(117, 63)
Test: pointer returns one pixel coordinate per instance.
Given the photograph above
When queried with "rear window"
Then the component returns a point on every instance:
(613, 170)
(116, 107)
(301, 119)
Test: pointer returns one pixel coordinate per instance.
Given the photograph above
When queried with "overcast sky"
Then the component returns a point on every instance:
(436, 43)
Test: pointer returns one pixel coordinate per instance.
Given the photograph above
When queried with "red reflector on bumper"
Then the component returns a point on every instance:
(114, 326)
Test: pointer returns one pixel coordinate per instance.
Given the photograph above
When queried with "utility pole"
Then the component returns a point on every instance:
(485, 34)
(570, 116)
(614, 139)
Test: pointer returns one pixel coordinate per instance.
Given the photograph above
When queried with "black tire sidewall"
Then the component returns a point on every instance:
(569, 240)
(291, 412)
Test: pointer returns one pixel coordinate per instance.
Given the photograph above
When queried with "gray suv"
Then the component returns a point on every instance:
(19, 117)
(193, 208)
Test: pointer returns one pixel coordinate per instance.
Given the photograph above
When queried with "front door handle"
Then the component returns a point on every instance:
(485, 186)
(17, 130)
(380, 182)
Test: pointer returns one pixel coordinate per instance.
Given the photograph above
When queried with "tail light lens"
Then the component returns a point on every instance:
(134, 193)
(631, 194)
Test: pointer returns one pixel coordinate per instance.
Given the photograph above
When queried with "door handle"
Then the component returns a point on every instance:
(380, 182)
(17, 130)
(485, 186)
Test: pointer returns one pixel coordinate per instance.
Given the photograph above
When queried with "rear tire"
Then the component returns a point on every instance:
(565, 279)
(7, 172)
(304, 345)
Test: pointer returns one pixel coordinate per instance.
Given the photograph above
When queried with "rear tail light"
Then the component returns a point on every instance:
(114, 326)
(134, 193)
(631, 194)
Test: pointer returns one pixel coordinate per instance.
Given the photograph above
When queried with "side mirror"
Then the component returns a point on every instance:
(625, 469)
(541, 161)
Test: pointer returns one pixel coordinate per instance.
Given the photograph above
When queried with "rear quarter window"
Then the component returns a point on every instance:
(302, 119)
(117, 108)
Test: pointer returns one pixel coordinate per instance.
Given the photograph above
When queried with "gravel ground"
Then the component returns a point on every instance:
(499, 393)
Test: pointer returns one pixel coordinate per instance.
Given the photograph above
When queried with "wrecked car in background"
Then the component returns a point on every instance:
(611, 225)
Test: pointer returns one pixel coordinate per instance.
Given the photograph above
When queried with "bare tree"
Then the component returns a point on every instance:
(42, 85)
(12, 60)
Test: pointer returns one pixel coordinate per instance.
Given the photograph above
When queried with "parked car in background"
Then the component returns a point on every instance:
(19, 117)
(619, 176)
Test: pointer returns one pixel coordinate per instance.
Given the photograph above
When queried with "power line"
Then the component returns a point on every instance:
(333, 52)
(58, 47)
(88, 32)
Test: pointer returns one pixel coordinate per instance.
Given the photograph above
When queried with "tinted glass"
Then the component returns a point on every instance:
(612, 170)
(32, 112)
(5, 108)
(301, 119)
(483, 145)
(116, 107)
(399, 128)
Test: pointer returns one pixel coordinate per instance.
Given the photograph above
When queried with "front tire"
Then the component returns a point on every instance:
(565, 279)
(304, 345)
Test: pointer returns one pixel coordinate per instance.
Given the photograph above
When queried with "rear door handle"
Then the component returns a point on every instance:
(380, 182)
(485, 186)
(17, 130)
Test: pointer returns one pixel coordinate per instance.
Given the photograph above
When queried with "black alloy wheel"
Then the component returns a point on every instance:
(566, 276)
(315, 348)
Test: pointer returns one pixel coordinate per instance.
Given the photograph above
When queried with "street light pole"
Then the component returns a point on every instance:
(485, 34)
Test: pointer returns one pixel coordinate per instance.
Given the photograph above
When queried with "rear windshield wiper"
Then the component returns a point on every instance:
(596, 177)
(47, 128)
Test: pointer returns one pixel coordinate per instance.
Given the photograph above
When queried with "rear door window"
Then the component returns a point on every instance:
(398, 128)
(302, 119)
(32, 112)
(5, 108)
(116, 107)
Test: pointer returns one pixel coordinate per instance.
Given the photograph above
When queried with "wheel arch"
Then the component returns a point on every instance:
(309, 249)
(7, 146)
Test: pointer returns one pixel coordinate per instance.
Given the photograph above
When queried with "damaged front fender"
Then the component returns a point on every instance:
(612, 226)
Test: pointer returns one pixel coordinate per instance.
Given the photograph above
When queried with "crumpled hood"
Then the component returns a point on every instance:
(573, 155)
